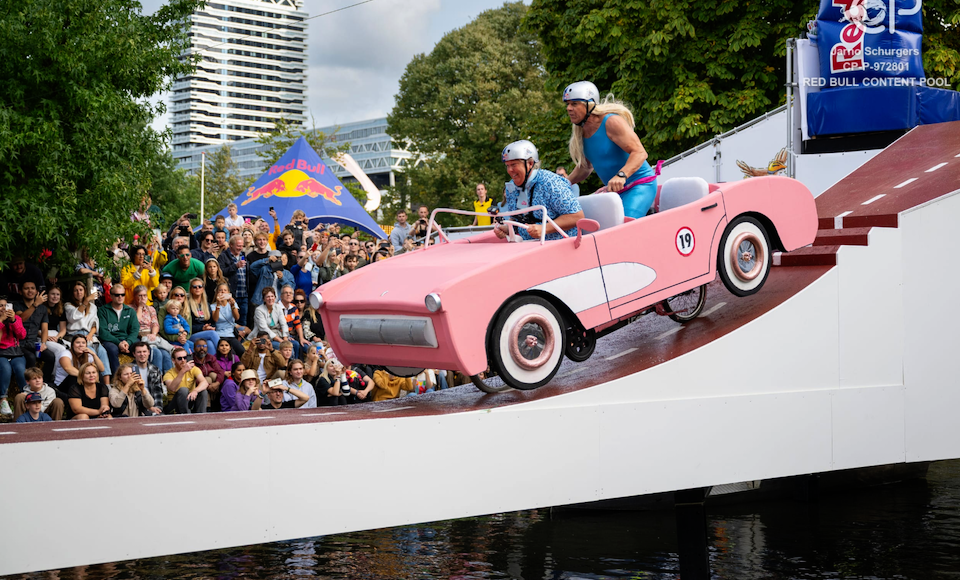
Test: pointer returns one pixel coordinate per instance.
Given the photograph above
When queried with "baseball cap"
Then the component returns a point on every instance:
(166, 276)
(274, 254)
(34, 398)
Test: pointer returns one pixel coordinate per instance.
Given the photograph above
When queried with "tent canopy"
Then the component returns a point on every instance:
(300, 180)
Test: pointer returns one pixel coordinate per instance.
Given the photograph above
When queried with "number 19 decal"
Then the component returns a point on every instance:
(685, 241)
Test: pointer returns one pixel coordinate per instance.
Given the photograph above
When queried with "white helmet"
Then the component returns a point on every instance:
(522, 149)
(582, 91)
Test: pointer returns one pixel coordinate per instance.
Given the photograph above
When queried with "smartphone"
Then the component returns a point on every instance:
(314, 247)
(271, 208)
(9, 306)
(191, 216)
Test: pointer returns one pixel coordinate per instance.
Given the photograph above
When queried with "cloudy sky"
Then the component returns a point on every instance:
(357, 55)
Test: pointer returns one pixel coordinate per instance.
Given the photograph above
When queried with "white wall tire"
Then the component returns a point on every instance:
(521, 365)
(744, 260)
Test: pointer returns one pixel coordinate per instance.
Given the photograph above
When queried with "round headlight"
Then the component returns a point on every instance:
(316, 300)
(432, 302)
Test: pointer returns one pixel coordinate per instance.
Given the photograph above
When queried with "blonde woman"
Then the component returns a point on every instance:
(603, 140)
(197, 311)
(89, 398)
(128, 397)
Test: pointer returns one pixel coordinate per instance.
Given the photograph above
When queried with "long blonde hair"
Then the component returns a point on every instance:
(607, 106)
(192, 305)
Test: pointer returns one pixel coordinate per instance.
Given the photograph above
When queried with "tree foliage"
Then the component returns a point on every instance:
(689, 70)
(172, 189)
(941, 40)
(693, 70)
(480, 88)
(75, 136)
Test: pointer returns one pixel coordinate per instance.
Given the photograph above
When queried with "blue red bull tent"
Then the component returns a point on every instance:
(300, 180)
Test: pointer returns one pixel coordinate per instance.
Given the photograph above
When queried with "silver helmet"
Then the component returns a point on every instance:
(522, 149)
(582, 91)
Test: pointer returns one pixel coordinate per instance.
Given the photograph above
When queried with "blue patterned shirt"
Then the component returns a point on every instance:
(549, 190)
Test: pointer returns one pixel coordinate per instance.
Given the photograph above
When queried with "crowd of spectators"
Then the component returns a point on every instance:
(192, 322)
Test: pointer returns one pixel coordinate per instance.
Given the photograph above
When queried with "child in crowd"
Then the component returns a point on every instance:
(33, 414)
(49, 403)
(233, 221)
(174, 323)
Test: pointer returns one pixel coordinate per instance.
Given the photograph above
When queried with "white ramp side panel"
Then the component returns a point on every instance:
(931, 367)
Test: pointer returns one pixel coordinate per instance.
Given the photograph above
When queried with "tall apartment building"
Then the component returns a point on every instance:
(253, 71)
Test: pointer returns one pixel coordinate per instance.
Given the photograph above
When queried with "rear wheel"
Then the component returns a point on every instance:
(744, 260)
(686, 306)
(527, 342)
(580, 343)
(483, 386)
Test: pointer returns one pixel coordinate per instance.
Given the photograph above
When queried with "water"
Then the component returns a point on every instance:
(904, 531)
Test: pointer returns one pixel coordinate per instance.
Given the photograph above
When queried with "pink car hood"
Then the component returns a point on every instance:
(401, 283)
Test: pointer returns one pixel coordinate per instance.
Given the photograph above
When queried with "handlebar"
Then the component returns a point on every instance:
(510, 223)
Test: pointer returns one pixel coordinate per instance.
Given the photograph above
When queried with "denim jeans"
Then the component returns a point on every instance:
(210, 336)
(160, 359)
(14, 366)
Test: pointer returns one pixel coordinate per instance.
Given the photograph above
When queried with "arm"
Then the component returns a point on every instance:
(228, 267)
(581, 172)
(620, 132)
(16, 326)
(117, 397)
(78, 408)
(62, 331)
(300, 395)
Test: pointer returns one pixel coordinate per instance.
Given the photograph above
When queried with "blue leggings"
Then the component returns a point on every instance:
(12, 366)
(638, 199)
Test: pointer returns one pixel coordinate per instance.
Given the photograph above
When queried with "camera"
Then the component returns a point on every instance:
(191, 216)
(275, 383)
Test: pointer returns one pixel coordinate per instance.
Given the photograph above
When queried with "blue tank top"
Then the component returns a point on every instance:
(608, 158)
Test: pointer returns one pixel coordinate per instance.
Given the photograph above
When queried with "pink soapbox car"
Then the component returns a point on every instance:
(519, 307)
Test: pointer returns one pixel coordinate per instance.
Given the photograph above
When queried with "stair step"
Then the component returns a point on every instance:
(844, 237)
(811, 256)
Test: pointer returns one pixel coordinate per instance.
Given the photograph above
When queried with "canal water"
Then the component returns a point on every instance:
(903, 531)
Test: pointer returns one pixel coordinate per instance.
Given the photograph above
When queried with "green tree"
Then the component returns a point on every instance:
(172, 189)
(688, 70)
(75, 135)
(941, 40)
(480, 88)
(693, 70)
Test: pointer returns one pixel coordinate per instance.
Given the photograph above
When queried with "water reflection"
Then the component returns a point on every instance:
(899, 531)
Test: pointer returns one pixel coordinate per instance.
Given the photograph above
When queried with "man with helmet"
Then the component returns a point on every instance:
(603, 140)
(530, 186)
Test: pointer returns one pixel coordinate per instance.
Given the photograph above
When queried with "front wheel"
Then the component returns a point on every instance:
(686, 306)
(527, 342)
(744, 260)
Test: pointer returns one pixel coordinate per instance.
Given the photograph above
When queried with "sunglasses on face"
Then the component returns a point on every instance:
(180, 358)
(300, 301)
(195, 286)
(120, 294)
(179, 295)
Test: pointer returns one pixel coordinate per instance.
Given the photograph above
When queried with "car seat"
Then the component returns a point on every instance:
(605, 208)
(679, 191)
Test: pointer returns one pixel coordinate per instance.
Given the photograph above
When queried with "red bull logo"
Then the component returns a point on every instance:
(274, 187)
(314, 188)
(294, 183)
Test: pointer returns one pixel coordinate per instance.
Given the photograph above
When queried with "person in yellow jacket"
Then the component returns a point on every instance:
(140, 271)
(482, 204)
